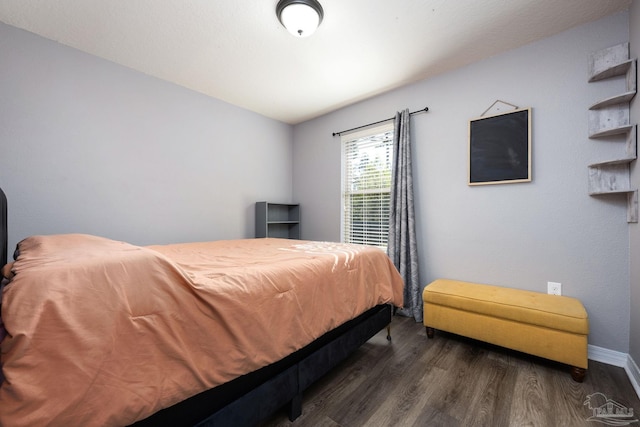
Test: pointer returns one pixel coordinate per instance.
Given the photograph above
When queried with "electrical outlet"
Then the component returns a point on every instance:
(554, 288)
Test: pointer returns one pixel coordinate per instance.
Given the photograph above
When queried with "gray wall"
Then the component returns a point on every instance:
(90, 146)
(634, 229)
(93, 147)
(518, 235)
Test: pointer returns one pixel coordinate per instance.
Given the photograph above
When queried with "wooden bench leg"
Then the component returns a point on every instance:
(578, 374)
(429, 332)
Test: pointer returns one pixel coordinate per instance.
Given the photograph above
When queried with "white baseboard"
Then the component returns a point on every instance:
(604, 355)
(617, 358)
(634, 374)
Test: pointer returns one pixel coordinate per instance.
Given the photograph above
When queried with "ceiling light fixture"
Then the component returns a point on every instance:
(300, 17)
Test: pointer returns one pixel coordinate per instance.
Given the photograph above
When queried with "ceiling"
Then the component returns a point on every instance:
(237, 51)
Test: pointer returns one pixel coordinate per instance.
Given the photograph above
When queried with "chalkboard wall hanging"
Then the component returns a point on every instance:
(500, 148)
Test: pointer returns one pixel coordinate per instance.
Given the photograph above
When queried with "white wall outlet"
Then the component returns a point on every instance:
(554, 288)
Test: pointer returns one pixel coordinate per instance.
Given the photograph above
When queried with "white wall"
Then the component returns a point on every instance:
(93, 147)
(634, 229)
(518, 235)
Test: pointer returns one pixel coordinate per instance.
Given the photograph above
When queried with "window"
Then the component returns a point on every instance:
(367, 158)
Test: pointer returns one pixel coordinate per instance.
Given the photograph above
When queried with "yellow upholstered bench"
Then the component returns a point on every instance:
(549, 326)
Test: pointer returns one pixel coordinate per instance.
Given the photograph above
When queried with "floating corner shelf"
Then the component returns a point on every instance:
(623, 98)
(610, 62)
(610, 117)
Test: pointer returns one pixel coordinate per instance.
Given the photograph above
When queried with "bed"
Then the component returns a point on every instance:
(103, 332)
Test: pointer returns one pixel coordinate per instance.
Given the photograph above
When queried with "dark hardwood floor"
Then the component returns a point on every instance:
(454, 381)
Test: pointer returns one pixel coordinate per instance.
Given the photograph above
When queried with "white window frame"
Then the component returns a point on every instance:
(374, 235)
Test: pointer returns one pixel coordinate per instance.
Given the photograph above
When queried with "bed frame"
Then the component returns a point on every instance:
(253, 398)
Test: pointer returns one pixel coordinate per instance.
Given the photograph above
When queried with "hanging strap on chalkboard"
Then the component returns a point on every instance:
(499, 107)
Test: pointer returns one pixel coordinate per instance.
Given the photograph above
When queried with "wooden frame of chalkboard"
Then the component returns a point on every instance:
(500, 148)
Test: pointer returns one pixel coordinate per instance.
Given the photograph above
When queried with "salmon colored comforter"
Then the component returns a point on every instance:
(104, 333)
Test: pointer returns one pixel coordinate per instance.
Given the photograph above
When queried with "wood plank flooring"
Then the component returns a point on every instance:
(453, 381)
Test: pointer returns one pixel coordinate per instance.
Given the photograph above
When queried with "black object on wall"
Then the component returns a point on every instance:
(3, 228)
(500, 148)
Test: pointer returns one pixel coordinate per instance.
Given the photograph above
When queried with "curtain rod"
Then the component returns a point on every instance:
(424, 110)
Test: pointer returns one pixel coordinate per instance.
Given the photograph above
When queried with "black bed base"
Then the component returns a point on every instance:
(3, 229)
(252, 398)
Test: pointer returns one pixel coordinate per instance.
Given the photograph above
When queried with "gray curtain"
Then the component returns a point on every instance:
(402, 245)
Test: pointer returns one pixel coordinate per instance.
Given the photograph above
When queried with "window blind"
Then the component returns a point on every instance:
(367, 161)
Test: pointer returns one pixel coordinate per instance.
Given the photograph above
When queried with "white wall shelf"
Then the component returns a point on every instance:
(610, 117)
(609, 121)
(610, 62)
(614, 100)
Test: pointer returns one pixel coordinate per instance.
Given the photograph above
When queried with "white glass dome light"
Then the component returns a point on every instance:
(300, 17)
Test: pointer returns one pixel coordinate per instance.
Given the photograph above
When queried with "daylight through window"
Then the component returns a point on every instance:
(366, 177)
